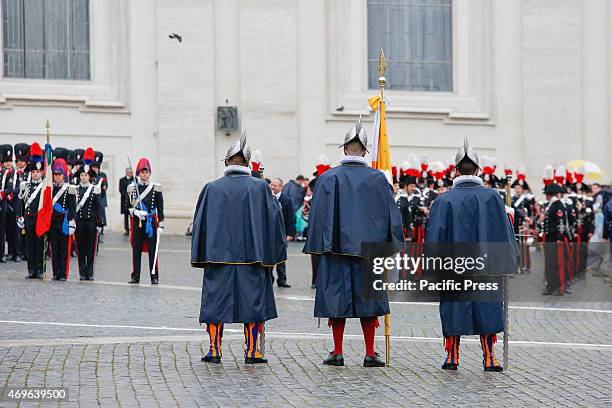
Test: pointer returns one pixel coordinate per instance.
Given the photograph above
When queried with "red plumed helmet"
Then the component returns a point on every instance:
(143, 164)
(36, 157)
(60, 167)
(35, 150)
(256, 160)
(507, 169)
(88, 156)
(323, 164)
(548, 176)
(579, 173)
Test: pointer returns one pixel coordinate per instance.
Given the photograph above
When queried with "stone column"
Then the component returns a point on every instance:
(596, 82)
(185, 105)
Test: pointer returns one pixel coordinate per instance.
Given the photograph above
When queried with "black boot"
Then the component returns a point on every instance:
(496, 369)
(334, 360)
(211, 359)
(373, 361)
(255, 360)
(447, 366)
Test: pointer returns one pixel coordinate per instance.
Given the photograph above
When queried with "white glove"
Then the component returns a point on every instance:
(20, 223)
(141, 214)
(160, 230)
(71, 230)
(99, 230)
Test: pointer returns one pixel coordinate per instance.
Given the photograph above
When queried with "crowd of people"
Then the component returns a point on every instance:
(238, 245)
(77, 213)
(561, 224)
(243, 222)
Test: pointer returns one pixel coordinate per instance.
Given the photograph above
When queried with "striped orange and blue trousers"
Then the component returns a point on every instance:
(487, 342)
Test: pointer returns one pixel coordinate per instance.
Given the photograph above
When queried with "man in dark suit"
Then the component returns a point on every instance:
(124, 182)
(276, 185)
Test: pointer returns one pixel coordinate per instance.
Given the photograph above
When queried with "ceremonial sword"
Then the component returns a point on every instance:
(153, 269)
(137, 192)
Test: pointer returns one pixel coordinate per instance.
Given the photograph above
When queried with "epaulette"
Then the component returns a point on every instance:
(157, 187)
(72, 189)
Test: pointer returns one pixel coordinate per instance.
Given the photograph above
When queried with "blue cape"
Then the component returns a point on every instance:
(470, 213)
(295, 192)
(237, 221)
(351, 204)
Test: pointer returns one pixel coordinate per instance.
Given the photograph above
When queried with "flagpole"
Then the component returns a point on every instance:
(382, 67)
(507, 285)
(45, 240)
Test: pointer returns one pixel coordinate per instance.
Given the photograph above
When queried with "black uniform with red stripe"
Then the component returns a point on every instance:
(17, 240)
(62, 229)
(144, 231)
(556, 237)
(7, 176)
(30, 193)
(413, 218)
(583, 228)
(523, 214)
(89, 217)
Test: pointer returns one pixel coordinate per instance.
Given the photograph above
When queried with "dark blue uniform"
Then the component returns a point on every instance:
(238, 237)
(238, 233)
(351, 204)
(470, 213)
(89, 217)
(30, 193)
(60, 240)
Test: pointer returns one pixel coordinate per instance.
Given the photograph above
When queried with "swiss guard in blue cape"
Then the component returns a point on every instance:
(238, 236)
(352, 204)
(470, 213)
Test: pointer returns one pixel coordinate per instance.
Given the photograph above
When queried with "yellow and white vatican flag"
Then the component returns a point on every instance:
(381, 153)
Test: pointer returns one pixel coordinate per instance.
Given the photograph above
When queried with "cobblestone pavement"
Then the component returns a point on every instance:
(112, 344)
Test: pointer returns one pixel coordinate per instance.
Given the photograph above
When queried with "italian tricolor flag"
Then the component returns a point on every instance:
(45, 203)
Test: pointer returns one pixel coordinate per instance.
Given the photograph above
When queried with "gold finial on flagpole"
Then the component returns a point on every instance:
(47, 131)
(382, 68)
